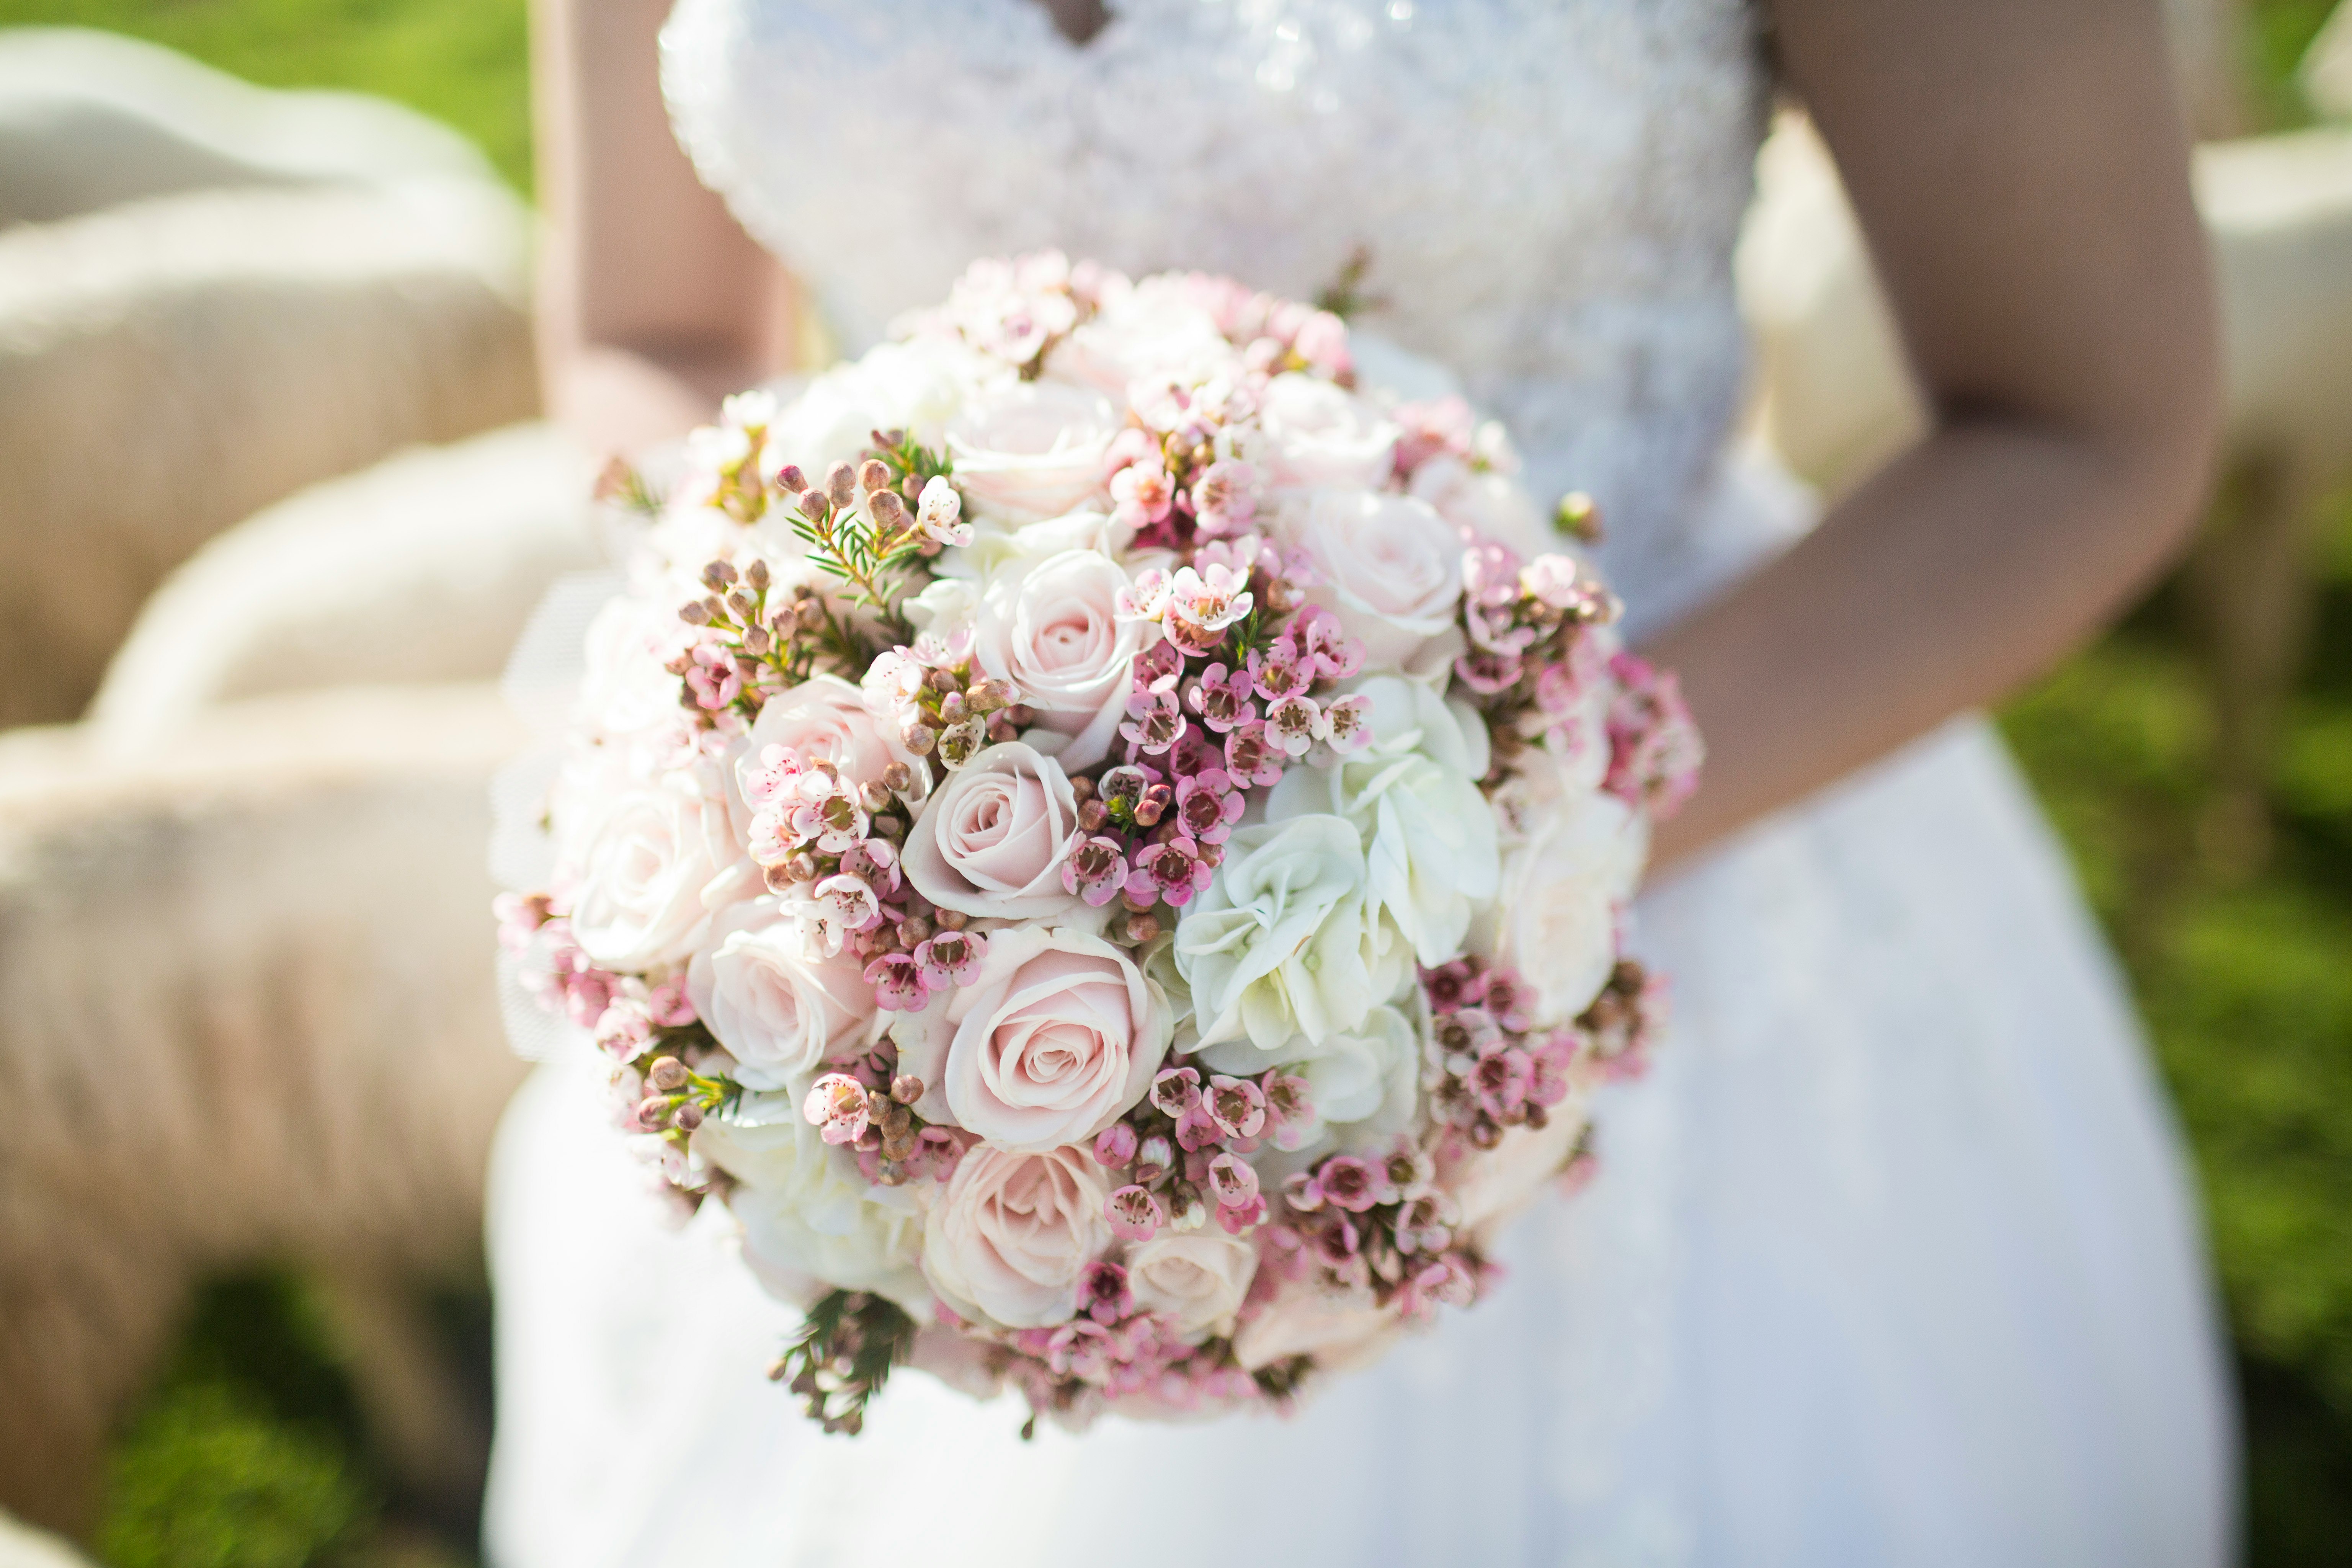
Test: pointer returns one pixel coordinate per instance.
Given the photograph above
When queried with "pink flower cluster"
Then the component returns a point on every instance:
(1382, 1224)
(1654, 751)
(1183, 1150)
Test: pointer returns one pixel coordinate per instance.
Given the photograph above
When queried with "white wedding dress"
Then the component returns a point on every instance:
(1891, 1261)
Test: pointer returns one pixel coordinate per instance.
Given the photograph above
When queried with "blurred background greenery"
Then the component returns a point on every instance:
(250, 1450)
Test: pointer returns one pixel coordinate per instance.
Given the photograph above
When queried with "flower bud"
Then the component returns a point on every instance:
(718, 574)
(1577, 517)
(890, 512)
(791, 481)
(1002, 730)
(874, 796)
(1092, 814)
(1143, 928)
(687, 1117)
(802, 866)
(873, 476)
(918, 739)
(897, 778)
(669, 1075)
(912, 931)
(694, 615)
(784, 622)
(906, 1088)
(1082, 789)
(1153, 1156)
(954, 708)
(811, 505)
(740, 603)
(756, 575)
(953, 920)
(841, 484)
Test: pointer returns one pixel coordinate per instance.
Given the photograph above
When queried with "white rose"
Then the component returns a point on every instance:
(810, 1221)
(648, 861)
(1031, 450)
(1429, 833)
(1052, 627)
(1282, 943)
(773, 999)
(1198, 1277)
(1492, 1186)
(1341, 1333)
(1152, 333)
(1493, 505)
(624, 689)
(1056, 1036)
(824, 719)
(1321, 434)
(1390, 570)
(990, 841)
(1555, 914)
(1006, 1239)
(915, 386)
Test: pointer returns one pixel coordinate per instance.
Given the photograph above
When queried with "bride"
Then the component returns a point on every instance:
(1892, 1260)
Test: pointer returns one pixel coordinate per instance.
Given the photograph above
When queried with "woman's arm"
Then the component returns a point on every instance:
(653, 303)
(2021, 170)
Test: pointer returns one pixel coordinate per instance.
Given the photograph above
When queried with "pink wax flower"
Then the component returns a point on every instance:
(1251, 756)
(1155, 720)
(1221, 697)
(1324, 645)
(1347, 725)
(1444, 426)
(1095, 869)
(1176, 1090)
(951, 958)
(1134, 1214)
(850, 901)
(938, 513)
(1207, 805)
(1232, 1181)
(1144, 599)
(837, 1103)
(1289, 1108)
(1499, 1080)
(1115, 1146)
(1293, 723)
(1144, 493)
(1488, 672)
(1654, 750)
(1196, 753)
(1103, 1294)
(623, 1030)
(1173, 871)
(898, 982)
(1132, 445)
(1237, 1105)
(1278, 671)
(1460, 984)
(1348, 1183)
(1236, 1218)
(668, 1004)
(1506, 998)
(713, 677)
(1224, 498)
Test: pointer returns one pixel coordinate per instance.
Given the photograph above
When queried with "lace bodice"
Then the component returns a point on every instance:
(1549, 190)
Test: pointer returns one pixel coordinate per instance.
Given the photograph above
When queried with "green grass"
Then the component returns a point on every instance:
(465, 61)
(249, 1451)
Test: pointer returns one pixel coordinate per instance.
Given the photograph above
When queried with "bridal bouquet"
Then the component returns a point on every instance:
(1101, 839)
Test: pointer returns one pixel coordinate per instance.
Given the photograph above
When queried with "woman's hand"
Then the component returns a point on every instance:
(2021, 170)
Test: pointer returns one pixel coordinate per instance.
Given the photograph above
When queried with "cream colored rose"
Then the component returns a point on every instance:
(990, 841)
(824, 719)
(1493, 505)
(1391, 569)
(647, 862)
(1052, 627)
(1556, 916)
(773, 999)
(1197, 1278)
(1151, 332)
(1006, 1240)
(1341, 1333)
(915, 386)
(1031, 450)
(1323, 436)
(810, 1221)
(1056, 1036)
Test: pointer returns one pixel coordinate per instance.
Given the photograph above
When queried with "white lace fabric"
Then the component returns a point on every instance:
(1890, 1261)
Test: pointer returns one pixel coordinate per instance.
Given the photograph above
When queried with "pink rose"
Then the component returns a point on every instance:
(1057, 1036)
(648, 861)
(1008, 1236)
(1198, 1277)
(824, 719)
(1052, 627)
(1032, 451)
(1390, 570)
(990, 841)
(1324, 436)
(773, 998)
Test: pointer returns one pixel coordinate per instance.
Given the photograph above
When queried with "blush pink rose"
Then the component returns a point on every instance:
(1390, 570)
(824, 719)
(1052, 627)
(771, 996)
(1006, 1239)
(1057, 1036)
(1031, 450)
(990, 841)
(1197, 1278)
(1321, 434)
(647, 862)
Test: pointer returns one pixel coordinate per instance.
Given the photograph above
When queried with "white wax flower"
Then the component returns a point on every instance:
(1284, 941)
(1031, 450)
(1198, 1277)
(1323, 436)
(773, 998)
(810, 1221)
(1428, 833)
